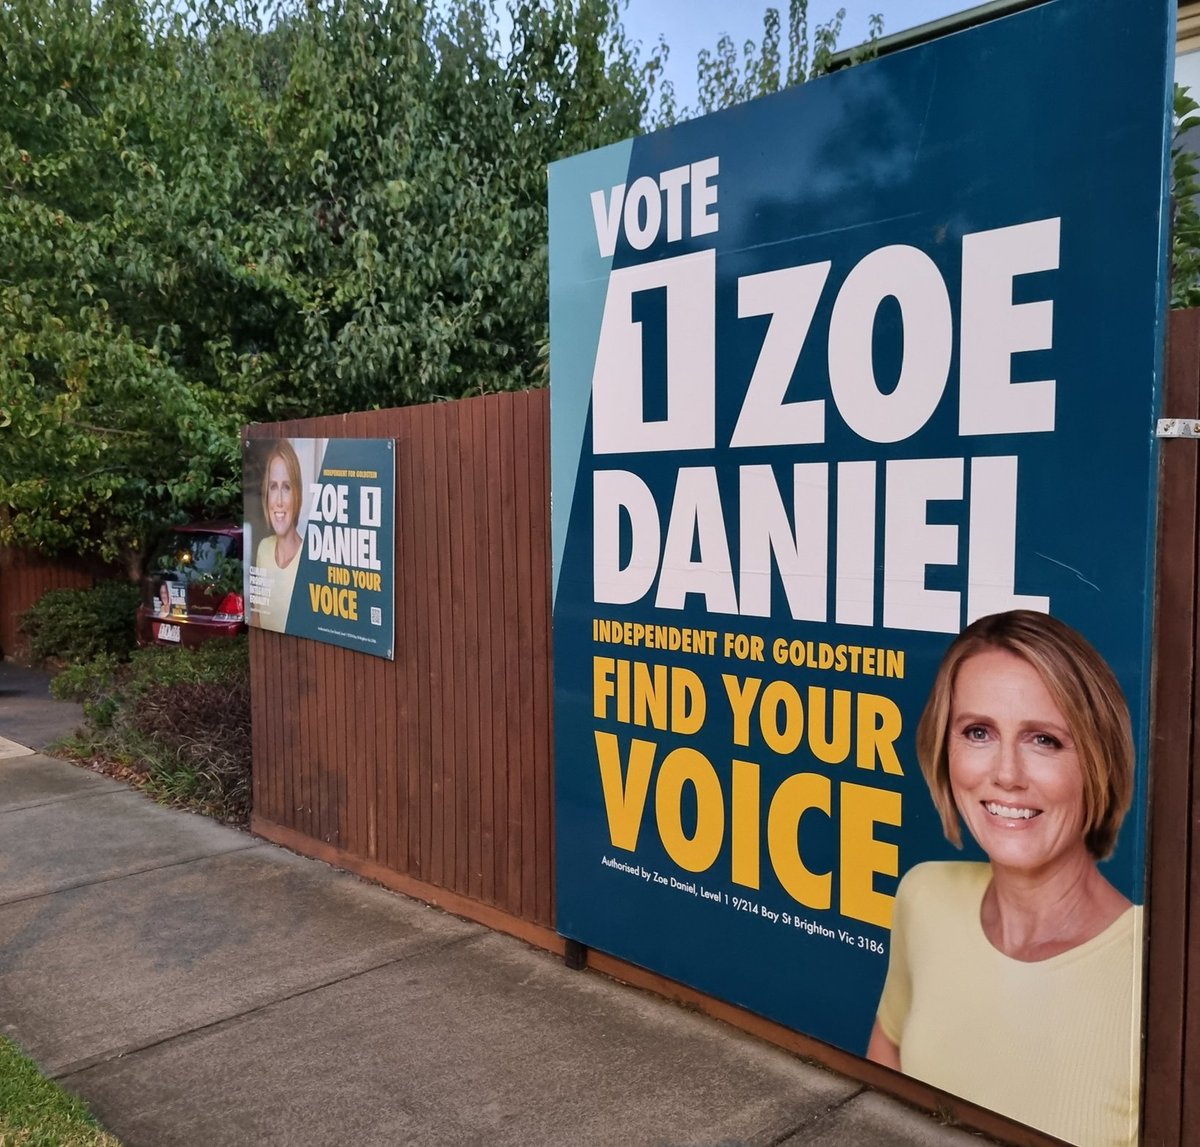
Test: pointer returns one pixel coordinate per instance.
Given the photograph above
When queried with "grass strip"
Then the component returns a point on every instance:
(36, 1112)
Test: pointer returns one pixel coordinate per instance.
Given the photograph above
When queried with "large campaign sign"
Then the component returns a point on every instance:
(320, 539)
(837, 375)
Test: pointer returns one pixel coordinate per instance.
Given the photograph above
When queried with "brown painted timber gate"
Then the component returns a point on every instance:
(26, 575)
(433, 774)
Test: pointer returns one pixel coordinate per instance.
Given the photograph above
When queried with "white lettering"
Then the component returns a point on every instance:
(643, 199)
(856, 543)
(790, 297)
(704, 196)
(614, 492)
(911, 543)
(994, 328)
(912, 278)
(801, 552)
(607, 218)
(992, 541)
(619, 424)
(697, 524)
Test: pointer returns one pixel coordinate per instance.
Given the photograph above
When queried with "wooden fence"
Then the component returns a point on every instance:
(24, 577)
(432, 774)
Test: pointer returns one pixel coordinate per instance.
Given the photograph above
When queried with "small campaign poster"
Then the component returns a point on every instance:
(177, 599)
(853, 402)
(320, 539)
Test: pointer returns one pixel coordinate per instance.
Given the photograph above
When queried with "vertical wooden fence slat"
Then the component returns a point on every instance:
(1167, 1057)
(261, 707)
(283, 702)
(527, 857)
(514, 760)
(459, 766)
(439, 685)
(306, 717)
(470, 821)
(406, 693)
(357, 717)
(335, 746)
(288, 733)
(362, 707)
(273, 674)
(290, 683)
(444, 758)
(386, 753)
(540, 625)
(501, 682)
(349, 778)
(268, 679)
(323, 756)
(529, 576)
(427, 589)
(431, 847)
(480, 475)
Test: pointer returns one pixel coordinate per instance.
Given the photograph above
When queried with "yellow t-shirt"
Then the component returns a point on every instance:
(1053, 1043)
(272, 598)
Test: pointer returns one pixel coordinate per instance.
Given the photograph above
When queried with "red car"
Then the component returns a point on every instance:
(192, 590)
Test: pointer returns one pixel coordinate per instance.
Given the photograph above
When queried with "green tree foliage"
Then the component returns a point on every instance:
(725, 77)
(1185, 191)
(106, 276)
(212, 214)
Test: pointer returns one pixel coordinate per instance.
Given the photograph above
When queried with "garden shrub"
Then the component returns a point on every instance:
(92, 684)
(77, 625)
(201, 730)
(176, 721)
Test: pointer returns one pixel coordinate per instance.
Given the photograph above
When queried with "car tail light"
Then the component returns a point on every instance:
(232, 608)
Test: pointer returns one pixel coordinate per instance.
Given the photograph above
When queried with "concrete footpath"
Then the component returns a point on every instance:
(197, 986)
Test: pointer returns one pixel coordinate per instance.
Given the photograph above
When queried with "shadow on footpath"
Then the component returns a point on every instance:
(28, 714)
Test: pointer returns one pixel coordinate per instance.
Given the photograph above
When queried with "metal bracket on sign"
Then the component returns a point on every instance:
(1178, 428)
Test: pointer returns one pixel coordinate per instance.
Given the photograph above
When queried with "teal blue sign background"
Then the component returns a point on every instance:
(994, 197)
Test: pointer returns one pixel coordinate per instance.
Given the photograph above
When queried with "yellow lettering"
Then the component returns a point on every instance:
(835, 749)
(697, 852)
(792, 800)
(623, 698)
(785, 739)
(334, 602)
(602, 685)
(745, 818)
(688, 704)
(863, 856)
(624, 800)
(650, 694)
(879, 724)
(741, 701)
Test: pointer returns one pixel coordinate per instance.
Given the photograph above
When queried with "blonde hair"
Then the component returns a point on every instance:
(283, 450)
(1084, 688)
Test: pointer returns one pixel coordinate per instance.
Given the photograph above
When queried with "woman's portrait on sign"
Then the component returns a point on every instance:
(276, 477)
(1015, 983)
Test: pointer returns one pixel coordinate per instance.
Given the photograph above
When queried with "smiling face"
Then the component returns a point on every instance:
(1014, 768)
(281, 497)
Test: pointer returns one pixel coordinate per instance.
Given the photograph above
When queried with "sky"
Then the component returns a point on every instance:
(690, 25)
